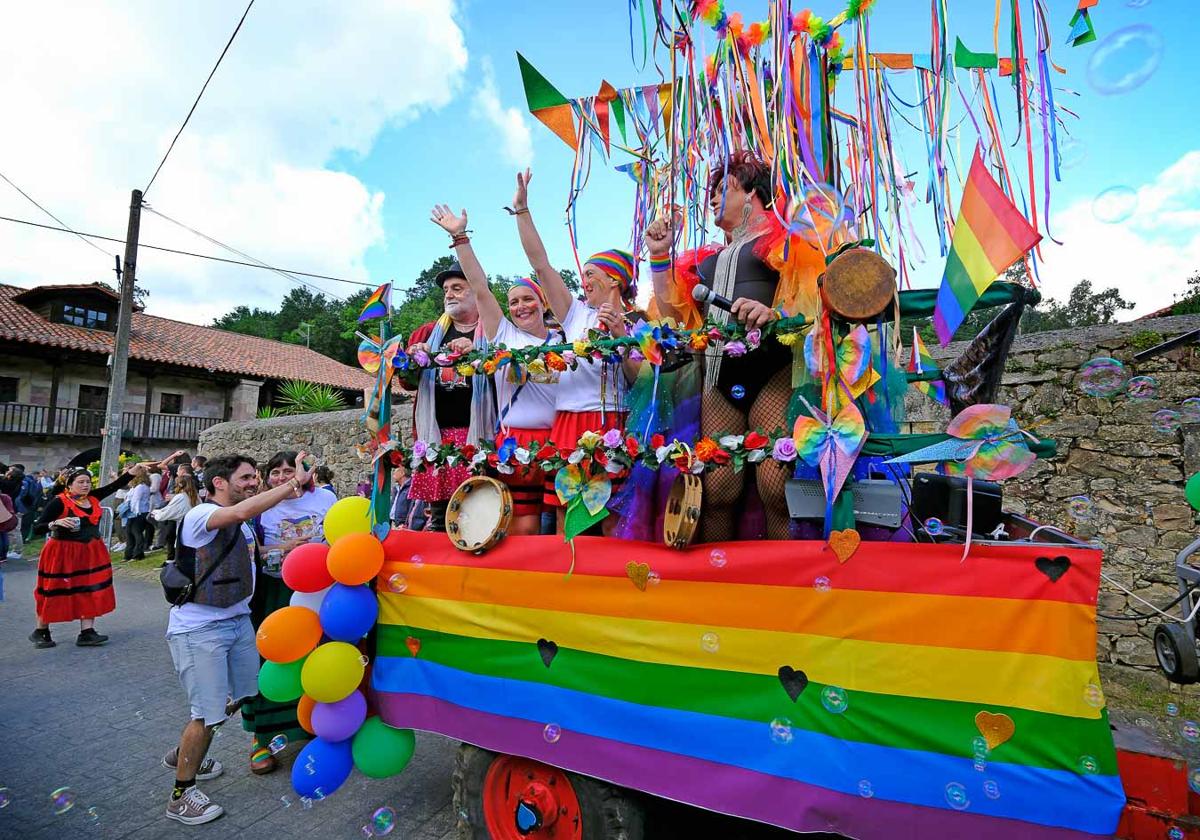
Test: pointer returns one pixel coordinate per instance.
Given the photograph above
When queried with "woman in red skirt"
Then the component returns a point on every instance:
(75, 570)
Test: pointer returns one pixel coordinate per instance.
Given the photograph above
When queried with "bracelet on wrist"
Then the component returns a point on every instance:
(662, 263)
(516, 211)
(459, 239)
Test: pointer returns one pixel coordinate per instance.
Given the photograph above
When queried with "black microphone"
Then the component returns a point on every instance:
(703, 294)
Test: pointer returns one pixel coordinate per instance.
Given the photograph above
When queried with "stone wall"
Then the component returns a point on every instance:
(331, 438)
(1108, 452)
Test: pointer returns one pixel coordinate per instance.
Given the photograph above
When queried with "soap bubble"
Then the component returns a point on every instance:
(834, 699)
(365, 660)
(1071, 153)
(287, 803)
(1114, 205)
(306, 803)
(1194, 778)
(552, 733)
(991, 790)
(1088, 765)
(1125, 59)
(278, 743)
(956, 796)
(1175, 833)
(1102, 377)
(93, 814)
(737, 392)
(5, 797)
(383, 821)
(717, 558)
(1190, 731)
(865, 790)
(1093, 695)
(654, 578)
(1080, 508)
(934, 527)
(710, 642)
(979, 746)
(980, 765)
(1189, 412)
(397, 583)
(1172, 709)
(1143, 388)
(1166, 421)
(62, 799)
(417, 560)
(822, 584)
(781, 731)
(367, 831)
(1138, 4)
(1143, 723)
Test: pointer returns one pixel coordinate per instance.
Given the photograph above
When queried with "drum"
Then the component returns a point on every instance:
(478, 514)
(858, 285)
(683, 511)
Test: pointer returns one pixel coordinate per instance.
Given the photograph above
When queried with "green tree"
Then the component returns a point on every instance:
(1189, 304)
(1083, 308)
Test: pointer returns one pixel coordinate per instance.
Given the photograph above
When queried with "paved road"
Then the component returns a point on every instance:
(98, 720)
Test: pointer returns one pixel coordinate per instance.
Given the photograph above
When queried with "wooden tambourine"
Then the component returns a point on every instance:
(858, 285)
(479, 514)
(683, 511)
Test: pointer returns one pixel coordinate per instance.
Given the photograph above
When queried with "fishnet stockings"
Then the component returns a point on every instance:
(768, 413)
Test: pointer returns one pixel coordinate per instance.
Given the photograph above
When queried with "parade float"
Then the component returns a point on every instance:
(915, 661)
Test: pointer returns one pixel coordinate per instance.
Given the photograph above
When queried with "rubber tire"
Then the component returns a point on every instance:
(609, 813)
(1187, 665)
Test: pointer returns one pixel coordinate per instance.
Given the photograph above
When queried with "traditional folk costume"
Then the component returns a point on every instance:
(75, 569)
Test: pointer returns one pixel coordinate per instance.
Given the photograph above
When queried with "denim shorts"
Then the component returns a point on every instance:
(216, 662)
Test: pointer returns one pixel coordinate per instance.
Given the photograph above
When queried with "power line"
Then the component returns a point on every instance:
(87, 236)
(200, 94)
(55, 218)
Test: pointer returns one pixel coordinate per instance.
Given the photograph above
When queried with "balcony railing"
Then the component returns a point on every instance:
(21, 418)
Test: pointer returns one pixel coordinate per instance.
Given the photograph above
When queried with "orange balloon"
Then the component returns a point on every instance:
(355, 558)
(304, 710)
(288, 634)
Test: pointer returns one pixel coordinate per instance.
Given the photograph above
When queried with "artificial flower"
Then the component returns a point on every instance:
(590, 439)
(555, 362)
(706, 449)
(698, 342)
(631, 446)
(657, 441)
(735, 348)
(612, 438)
(754, 440)
(784, 449)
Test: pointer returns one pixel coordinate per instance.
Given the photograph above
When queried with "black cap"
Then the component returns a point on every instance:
(455, 270)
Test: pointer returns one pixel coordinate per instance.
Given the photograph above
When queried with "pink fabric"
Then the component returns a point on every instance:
(430, 485)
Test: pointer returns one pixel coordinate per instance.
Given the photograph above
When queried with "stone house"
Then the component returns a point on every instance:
(55, 346)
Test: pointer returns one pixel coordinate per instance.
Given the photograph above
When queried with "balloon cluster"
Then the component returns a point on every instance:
(311, 648)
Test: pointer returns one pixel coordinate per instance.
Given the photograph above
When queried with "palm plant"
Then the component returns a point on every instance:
(296, 397)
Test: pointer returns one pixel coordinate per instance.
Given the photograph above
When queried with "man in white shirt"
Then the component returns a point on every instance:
(210, 636)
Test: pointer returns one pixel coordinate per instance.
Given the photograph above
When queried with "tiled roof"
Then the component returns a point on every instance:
(157, 339)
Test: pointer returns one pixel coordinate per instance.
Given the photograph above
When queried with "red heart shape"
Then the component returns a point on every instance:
(413, 644)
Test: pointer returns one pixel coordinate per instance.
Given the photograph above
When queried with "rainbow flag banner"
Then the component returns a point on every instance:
(898, 694)
(922, 362)
(989, 235)
(378, 305)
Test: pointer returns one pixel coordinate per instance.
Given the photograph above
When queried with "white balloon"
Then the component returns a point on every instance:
(310, 600)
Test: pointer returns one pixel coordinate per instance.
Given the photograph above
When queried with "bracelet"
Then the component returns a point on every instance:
(518, 212)
(459, 239)
(662, 263)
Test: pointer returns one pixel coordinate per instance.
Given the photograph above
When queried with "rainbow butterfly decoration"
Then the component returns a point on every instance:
(380, 358)
(831, 444)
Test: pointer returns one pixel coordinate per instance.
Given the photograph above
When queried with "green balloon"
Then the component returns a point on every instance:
(1192, 491)
(280, 681)
(380, 751)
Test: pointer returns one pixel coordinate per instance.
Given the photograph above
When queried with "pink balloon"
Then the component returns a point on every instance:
(339, 721)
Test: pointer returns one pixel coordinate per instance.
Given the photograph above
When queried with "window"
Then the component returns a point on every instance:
(81, 316)
(170, 403)
(8, 388)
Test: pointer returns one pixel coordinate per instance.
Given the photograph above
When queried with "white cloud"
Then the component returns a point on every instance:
(510, 123)
(304, 81)
(1147, 257)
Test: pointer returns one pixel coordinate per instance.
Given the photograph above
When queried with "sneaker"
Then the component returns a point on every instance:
(118, 547)
(90, 638)
(41, 639)
(210, 768)
(193, 808)
(14, 555)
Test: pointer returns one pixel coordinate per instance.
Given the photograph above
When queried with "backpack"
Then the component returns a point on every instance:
(29, 493)
(8, 517)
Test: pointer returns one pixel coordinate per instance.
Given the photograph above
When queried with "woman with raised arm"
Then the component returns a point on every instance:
(525, 399)
(590, 398)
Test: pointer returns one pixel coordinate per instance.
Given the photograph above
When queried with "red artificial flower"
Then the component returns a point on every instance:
(396, 458)
(657, 441)
(721, 457)
(600, 456)
(682, 462)
(468, 451)
(631, 446)
(547, 451)
(493, 459)
(756, 441)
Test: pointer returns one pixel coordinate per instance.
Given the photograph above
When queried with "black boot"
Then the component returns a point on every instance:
(41, 639)
(90, 638)
(437, 515)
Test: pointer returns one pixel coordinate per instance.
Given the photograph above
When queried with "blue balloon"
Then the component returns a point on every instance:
(348, 612)
(322, 767)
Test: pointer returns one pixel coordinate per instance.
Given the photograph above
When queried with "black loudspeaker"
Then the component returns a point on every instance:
(944, 497)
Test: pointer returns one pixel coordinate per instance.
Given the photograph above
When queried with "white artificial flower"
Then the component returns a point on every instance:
(731, 441)
(576, 456)
(522, 455)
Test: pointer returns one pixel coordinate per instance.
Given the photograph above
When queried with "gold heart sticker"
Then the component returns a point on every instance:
(995, 728)
(639, 573)
(844, 543)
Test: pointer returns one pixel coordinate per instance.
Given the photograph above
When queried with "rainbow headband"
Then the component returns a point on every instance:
(530, 283)
(618, 265)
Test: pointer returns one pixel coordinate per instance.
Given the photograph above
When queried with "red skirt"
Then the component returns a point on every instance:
(429, 485)
(527, 484)
(569, 427)
(74, 581)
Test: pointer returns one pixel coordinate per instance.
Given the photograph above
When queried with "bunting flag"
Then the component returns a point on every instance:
(922, 362)
(547, 104)
(869, 700)
(378, 305)
(1082, 30)
(990, 234)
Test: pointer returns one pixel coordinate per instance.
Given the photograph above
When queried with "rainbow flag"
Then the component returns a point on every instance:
(901, 693)
(922, 362)
(989, 235)
(378, 305)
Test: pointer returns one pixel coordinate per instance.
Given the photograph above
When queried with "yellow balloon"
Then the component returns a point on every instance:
(332, 672)
(351, 515)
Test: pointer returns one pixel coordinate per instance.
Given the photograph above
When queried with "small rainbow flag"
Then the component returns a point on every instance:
(989, 235)
(922, 362)
(378, 305)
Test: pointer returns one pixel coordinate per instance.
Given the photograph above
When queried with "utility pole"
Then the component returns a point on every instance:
(110, 445)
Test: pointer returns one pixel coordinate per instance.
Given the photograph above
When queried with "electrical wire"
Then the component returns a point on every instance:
(87, 236)
(64, 227)
(192, 110)
(1162, 612)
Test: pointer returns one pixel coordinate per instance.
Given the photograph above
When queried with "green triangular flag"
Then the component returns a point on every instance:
(539, 93)
(963, 57)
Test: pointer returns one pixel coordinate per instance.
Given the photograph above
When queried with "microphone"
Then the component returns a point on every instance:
(703, 294)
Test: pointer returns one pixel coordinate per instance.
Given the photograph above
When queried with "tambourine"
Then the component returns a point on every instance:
(858, 285)
(683, 511)
(478, 514)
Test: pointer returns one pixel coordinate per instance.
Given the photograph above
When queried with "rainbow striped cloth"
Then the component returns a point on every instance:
(778, 685)
(378, 305)
(922, 362)
(989, 235)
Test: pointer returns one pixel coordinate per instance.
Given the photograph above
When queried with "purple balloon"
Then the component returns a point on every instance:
(339, 721)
